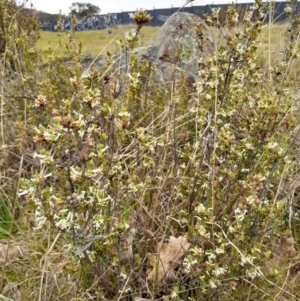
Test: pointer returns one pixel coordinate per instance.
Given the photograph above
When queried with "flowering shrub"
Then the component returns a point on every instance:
(128, 174)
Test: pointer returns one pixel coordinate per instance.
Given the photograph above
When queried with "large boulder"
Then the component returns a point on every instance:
(178, 46)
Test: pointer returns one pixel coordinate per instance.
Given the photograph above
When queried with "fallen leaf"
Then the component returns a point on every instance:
(285, 249)
(167, 259)
(283, 252)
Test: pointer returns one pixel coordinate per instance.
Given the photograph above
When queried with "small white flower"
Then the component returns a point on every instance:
(85, 74)
(173, 295)
(24, 192)
(73, 81)
(240, 215)
(184, 221)
(39, 218)
(202, 231)
(219, 251)
(272, 145)
(288, 9)
(236, 17)
(231, 229)
(200, 208)
(254, 273)
(187, 263)
(51, 136)
(124, 114)
(212, 284)
(211, 256)
(250, 200)
(44, 159)
(245, 260)
(75, 174)
(40, 101)
(208, 96)
(249, 145)
(219, 271)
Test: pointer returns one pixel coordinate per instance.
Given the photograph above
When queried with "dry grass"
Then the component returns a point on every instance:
(32, 268)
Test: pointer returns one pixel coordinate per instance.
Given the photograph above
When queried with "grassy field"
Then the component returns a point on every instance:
(272, 39)
(101, 41)
(93, 41)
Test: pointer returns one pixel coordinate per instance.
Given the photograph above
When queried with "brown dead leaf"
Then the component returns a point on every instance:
(283, 252)
(167, 259)
(284, 257)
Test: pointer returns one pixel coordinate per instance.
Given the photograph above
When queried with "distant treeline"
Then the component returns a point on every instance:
(159, 16)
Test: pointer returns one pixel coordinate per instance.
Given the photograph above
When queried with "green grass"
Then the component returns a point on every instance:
(271, 48)
(100, 41)
(93, 41)
(6, 219)
(273, 40)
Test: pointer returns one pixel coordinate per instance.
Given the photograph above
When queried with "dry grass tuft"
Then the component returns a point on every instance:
(32, 270)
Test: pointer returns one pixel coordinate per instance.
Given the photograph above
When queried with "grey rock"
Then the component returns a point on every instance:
(178, 32)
